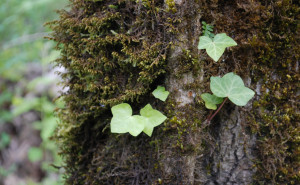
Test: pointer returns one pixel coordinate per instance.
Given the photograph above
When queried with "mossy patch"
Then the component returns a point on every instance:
(113, 52)
(117, 51)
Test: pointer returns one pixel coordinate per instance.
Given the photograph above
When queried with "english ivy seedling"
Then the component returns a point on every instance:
(215, 47)
(123, 121)
(231, 87)
(160, 93)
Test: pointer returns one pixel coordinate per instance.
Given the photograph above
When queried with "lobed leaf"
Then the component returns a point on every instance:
(231, 86)
(160, 93)
(215, 47)
(211, 101)
(153, 118)
(123, 121)
(136, 125)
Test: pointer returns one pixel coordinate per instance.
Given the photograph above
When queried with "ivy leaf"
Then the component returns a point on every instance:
(153, 118)
(231, 86)
(136, 125)
(123, 121)
(215, 47)
(211, 101)
(161, 93)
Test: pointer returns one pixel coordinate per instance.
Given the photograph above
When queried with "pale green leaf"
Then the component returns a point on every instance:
(153, 117)
(204, 42)
(211, 101)
(241, 96)
(222, 40)
(121, 115)
(123, 121)
(215, 47)
(122, 110)
(222, 86)
(160, 93)
(231, 86)
(136, 124)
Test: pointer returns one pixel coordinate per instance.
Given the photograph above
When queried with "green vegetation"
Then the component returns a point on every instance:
(35, 154)
(230, 86)
(22, 33)
(160, 93)
(216, 46)
(25, 60)
(207, 30)
(4, 140)
(123, 121)
(106, 68)
(211, 100)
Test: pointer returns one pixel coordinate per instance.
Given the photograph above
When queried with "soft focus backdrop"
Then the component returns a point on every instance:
(28, 87)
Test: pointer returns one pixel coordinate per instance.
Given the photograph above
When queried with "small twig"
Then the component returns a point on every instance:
(209, 119)
(209, 115)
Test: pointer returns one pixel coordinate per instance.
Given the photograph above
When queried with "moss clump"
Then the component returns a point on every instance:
(171, 6)
(113, 51)
(276, 120)
(116, 51)
(268, 53)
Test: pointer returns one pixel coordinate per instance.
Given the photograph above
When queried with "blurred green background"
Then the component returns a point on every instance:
(28, 85)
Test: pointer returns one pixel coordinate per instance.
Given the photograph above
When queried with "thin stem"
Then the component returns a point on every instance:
(209, 119)
(209, 115)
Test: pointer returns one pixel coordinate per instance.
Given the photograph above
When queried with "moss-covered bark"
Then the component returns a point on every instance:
(119, 51)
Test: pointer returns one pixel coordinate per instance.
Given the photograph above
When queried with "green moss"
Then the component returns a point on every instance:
(113, 51)
(109, 68)
(275, 120)
(267, 53)
(116, 51)
(171, 6)
(186, 123)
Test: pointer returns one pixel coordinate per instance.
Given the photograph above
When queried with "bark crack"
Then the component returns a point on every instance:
(230, 162)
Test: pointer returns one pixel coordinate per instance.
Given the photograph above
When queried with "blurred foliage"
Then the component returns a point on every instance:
(22, 32)
(22, 43)
(5, 140)
(35, 154)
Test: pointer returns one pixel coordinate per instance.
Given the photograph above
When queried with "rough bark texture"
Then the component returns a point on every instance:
(119, 51)
(233, 157)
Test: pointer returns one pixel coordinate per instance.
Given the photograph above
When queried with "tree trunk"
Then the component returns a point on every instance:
(119, 51)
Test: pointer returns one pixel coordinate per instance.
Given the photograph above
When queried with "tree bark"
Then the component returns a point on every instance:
(230, 160)
(186, 149)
